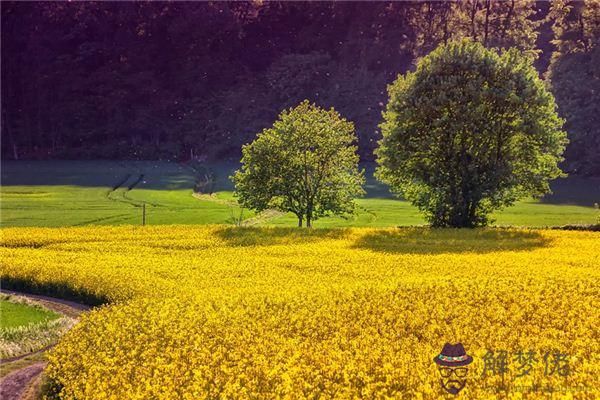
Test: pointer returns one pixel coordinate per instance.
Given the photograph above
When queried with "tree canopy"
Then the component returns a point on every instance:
(305, 164)
(470, 131)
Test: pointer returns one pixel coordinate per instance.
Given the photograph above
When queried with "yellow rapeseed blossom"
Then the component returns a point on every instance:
(227, 313)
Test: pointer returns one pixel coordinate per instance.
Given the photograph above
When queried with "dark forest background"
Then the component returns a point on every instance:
(157, 80)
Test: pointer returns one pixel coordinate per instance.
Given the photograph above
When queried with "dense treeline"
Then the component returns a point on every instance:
(194, 80)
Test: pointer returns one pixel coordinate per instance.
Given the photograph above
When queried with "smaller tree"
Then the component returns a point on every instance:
(305, 164)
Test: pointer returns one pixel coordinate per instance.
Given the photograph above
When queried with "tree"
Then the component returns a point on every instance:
(497, 23)
(305, 164)
(359, 95)
(470, 131)
(574, 76)
(575, 81)
(297, 76)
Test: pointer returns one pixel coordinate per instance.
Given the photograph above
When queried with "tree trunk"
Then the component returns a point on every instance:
(582, 31)
(309, 210)
(299, 221)
(473, 13)
(445, 24)
(488, 4)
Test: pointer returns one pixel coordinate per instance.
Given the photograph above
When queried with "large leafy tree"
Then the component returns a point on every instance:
(305, 164)
(470, 131)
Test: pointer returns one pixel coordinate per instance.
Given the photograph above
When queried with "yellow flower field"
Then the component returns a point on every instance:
(225, 313)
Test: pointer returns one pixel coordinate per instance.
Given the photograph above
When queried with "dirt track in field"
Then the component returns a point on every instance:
(14, 384)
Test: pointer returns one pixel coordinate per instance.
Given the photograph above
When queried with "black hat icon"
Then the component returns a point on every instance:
(453, 355)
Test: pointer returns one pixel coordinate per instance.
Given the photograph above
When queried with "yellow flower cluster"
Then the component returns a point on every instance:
(225, 313)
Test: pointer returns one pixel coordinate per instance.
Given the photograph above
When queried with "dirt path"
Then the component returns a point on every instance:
(214, 199)
(66, 307)
(28, 367)
(259, 218)
(14, 384)
(262, 217)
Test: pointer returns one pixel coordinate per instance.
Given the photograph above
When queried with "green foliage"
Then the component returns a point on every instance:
(574, 76)
(356, 93)
(81, 85)
(500, 24)
(295, 76)
(468, 132)
(575, 81)
(576, 25)
(305, 164)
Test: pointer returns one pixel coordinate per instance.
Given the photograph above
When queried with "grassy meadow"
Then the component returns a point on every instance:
(26, 326)
(77, 193)
(19, 314)
(227, 312)
(72, 193)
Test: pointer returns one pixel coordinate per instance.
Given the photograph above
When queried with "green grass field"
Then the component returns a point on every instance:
(72, 193)
(18, 314)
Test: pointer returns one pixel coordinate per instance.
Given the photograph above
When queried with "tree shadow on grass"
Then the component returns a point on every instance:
(440, 241)
(267, 236)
